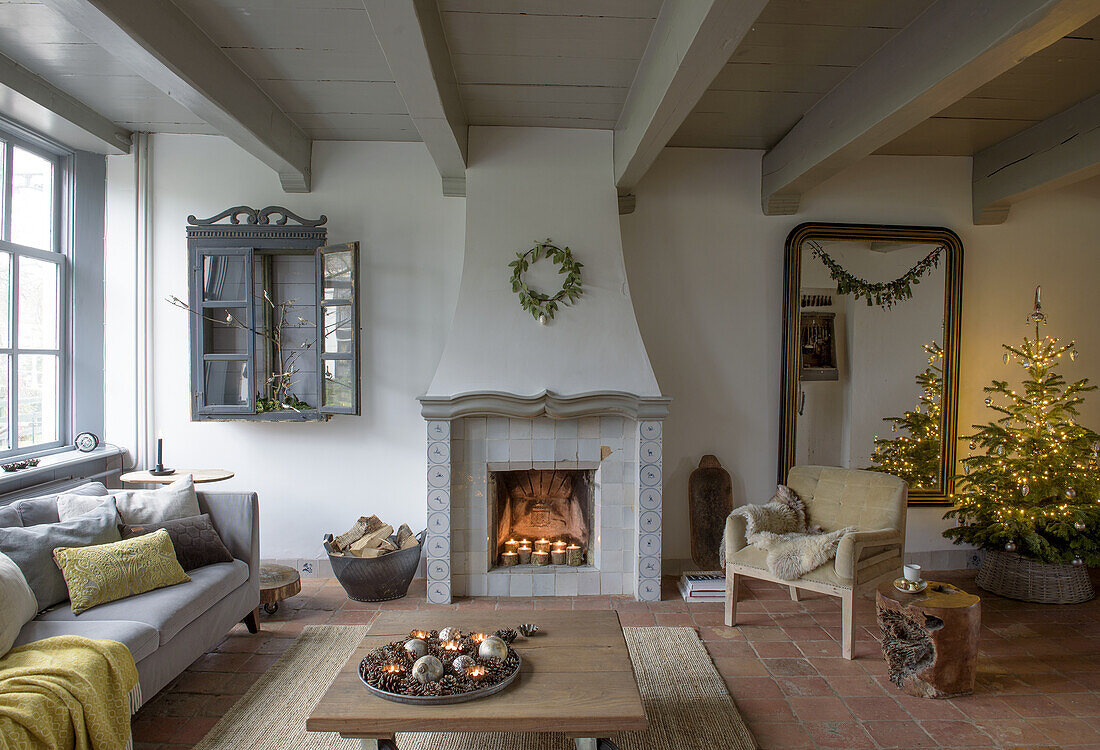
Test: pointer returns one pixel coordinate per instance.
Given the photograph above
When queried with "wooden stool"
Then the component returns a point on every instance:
(277, 582)
(930, 639)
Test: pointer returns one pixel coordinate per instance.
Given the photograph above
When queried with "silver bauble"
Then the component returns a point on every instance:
(1024, 490)
(450, 634)
(1077, 561)
(542, 320)
(973, 445)
(1080, 525)
(1005, 358)
(1010, 547)
(1073, 355)
(415, 648)
(1071, 493)
(988, 400)
(493, 647)
(427, 669)
(1000, 450)
(458, 666)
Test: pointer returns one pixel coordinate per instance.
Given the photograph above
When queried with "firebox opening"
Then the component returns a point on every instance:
(541, 505)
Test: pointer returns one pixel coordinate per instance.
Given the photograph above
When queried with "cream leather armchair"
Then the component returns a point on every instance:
(873, 502)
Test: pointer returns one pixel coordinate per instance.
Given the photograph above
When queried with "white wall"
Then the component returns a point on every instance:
(317, 477)
(699, 240)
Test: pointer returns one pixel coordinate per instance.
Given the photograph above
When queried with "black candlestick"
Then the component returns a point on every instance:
(159, 470)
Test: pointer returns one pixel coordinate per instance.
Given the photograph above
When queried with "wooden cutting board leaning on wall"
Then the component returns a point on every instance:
(710, 496)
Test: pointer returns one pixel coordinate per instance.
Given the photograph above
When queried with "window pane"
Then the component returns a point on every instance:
(226, 383)
(5, 302)
(223, 278)
(5, 406)
(38, 399)
(339, 376)
(38, 303)
(224, 330)
(32, 200)
(338, 332)
(336, 275)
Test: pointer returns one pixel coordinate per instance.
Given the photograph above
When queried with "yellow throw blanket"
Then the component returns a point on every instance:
(67, 692)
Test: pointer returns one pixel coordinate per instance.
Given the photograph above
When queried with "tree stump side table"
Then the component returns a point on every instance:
(930, 639)
(277, 582)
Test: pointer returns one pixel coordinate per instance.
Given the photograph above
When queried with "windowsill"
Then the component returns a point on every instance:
(67, 464)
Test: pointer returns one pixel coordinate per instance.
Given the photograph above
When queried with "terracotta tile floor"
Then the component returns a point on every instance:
(1038, 685)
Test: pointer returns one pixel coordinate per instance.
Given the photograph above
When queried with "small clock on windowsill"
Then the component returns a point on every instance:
(86, 442)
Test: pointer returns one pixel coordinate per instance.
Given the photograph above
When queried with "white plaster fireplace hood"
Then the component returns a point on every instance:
(524, 185)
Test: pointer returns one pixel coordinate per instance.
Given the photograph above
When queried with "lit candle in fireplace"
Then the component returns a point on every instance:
(542, 545)
(508, 559)
(573, 555)
(524, 554)
(511, 545)
(540, 558)
(557, 556)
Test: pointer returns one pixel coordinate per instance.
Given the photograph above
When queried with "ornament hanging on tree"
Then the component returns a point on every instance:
(1077, 561)
(1080, 526)
(1071, 493)
(1010, 547)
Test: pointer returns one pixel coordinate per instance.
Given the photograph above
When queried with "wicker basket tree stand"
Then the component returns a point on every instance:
(1014, 576)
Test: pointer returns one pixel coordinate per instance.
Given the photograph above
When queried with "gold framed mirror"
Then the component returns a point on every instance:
(870, 365)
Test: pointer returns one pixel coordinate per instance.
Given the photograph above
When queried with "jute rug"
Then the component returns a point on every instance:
(684, 697)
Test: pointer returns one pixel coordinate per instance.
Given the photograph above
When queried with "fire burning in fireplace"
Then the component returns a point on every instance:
(534, 504)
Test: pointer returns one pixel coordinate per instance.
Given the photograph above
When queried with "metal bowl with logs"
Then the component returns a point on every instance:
(440, 667)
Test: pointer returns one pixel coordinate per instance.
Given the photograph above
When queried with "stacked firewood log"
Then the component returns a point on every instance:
(371, 537)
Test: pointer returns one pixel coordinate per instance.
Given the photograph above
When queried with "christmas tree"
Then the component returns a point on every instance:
(1035, 485)
(915, 454)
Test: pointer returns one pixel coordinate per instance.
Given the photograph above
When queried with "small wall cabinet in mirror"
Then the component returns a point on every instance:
(274, 318)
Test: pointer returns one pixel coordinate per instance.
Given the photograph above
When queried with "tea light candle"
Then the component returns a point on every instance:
(573, 555)
(557, 556)
(542, 545)
(454, 645)
(508, 559)
(540, 558)
(478, 637)
(511, 545)
(393, 668)
(524, 554)
(559, 544)
(477, 672)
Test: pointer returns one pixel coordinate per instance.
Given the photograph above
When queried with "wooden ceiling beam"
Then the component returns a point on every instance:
(411, 35)
(40, 105)
(1056, 152)
(162, 45)
(691, 42)
(944, 54)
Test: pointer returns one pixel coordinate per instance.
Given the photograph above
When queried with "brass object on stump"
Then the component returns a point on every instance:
(930, 638)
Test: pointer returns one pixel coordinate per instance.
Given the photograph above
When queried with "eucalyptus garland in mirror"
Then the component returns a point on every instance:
(542, 306)
(882, 293)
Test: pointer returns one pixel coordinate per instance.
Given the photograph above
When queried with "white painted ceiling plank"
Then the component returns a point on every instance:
(39, 104)
(691, 42)
(947, 52)
(1059, 151)
(159, 42)
(411, 35)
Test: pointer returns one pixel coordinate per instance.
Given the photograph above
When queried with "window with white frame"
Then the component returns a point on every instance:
(32, 300)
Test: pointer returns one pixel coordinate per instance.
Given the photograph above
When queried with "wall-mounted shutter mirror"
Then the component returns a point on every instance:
(274, 318)
(338, 313)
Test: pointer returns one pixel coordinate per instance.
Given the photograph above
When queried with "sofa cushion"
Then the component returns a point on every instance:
(168, 610)
(141, 639)
(17, 602)
(177, 500)
(109, 572)
(33, 511)
(32, 548)
(195, 540)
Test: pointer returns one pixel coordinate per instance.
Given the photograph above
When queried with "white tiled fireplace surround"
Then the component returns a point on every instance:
(626, 456)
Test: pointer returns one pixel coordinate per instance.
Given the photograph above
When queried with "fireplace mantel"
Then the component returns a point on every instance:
(547, 403)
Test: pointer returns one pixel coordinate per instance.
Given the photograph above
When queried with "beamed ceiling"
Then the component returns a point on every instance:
(687, 73)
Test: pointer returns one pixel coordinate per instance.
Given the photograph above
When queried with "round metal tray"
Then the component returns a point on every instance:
(442, 700)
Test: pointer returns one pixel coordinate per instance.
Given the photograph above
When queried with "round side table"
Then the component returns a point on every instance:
(199, 476)
(930, 638)
(277, 582)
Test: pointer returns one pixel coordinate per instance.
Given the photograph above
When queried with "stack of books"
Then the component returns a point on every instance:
(703, 585)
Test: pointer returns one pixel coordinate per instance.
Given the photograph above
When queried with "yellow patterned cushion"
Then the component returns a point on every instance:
(107, 572)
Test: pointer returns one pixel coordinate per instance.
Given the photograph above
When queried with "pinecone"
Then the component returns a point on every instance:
(508, 634)
(391, 682)
(497, 670)
(431, 688)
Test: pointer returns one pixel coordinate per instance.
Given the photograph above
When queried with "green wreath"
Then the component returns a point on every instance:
(543, 306)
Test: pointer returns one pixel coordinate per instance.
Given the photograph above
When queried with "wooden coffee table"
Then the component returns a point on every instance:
(576, 678)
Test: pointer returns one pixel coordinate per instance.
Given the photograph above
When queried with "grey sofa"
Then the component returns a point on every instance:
(168, 629)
